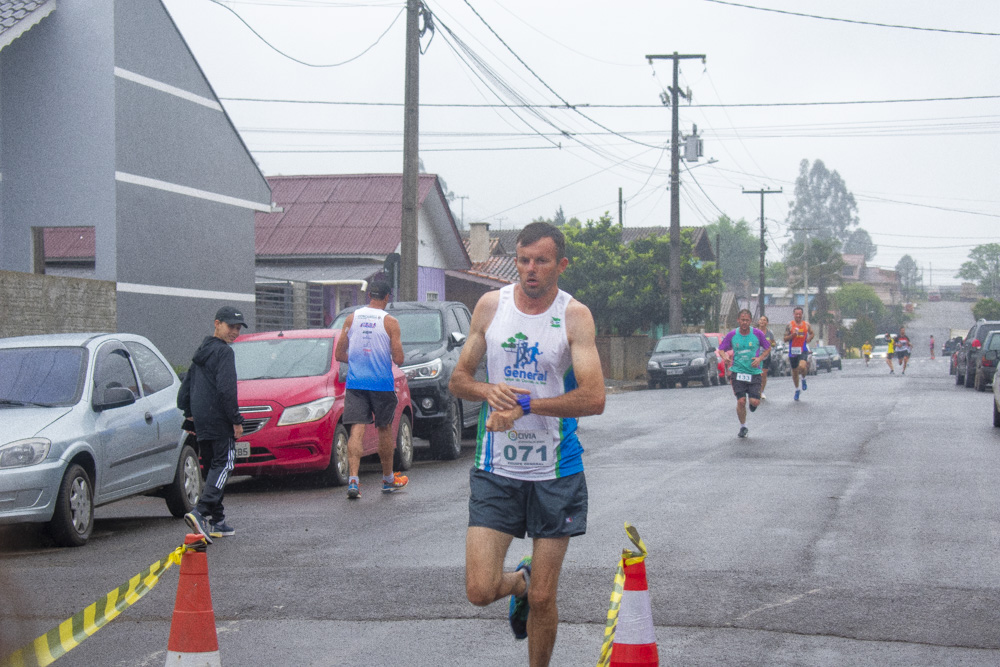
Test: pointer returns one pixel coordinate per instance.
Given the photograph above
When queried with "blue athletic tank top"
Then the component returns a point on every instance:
(369, 355)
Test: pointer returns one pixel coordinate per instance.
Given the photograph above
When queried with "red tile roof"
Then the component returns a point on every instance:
(357, 214)
(69, 242)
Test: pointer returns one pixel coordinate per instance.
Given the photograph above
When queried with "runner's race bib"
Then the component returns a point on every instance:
(744, 377)
(795, 351)
(528, 449)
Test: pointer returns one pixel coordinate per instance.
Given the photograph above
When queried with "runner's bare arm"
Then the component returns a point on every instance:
(788, 332)
(340, 354)
(811, 334)
(463, 379)
(588, 397)
(395, 339)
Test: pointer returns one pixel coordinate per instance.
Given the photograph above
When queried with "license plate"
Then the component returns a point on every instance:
(796, 351)
(744, 377)
(242, 450)
(675, 371)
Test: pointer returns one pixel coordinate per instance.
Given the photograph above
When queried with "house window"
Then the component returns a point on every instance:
(432, 296)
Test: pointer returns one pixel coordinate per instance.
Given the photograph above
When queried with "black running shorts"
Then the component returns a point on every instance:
(362, 406)
(751, 389)
(547, 508)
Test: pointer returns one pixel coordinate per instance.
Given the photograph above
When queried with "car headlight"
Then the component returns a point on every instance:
(698, 361)
(652, 364)
(22, 453)
(307, 412)
(423, 371)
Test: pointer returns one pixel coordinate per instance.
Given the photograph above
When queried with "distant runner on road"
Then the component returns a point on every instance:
(891, 340)
(748, 347)
(798, 335)
(765, 364)
(903, 349)
(866, 352)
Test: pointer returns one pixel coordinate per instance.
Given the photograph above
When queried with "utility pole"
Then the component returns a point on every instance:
(411, 165)
(763, 246)
(463, 198)
(675, 201)
(718, 297)
(620, 223)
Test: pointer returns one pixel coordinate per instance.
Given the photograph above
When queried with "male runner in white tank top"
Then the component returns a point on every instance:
(543, 373)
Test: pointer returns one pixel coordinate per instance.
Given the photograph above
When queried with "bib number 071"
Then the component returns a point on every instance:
(525, 453)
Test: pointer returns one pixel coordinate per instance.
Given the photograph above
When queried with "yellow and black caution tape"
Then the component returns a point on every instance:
(69, 634)
(629, 557)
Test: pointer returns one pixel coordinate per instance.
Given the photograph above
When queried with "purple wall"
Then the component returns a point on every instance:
(430, 280)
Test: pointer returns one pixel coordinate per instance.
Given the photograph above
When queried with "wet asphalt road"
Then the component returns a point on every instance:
(855, 527)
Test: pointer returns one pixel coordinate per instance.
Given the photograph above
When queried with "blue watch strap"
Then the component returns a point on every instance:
(525, 401)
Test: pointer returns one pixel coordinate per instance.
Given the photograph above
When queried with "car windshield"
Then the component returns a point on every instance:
(42, 376)
(419, 326)
(283, 358)
(685, 344)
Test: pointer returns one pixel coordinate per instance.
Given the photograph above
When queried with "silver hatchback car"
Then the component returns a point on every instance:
(87, 419)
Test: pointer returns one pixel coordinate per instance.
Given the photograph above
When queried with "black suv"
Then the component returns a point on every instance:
(433, 333)
(989, 357)
(968, 352)
(680, 358)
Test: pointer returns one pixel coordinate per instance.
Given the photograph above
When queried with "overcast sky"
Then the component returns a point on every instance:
(924, 173)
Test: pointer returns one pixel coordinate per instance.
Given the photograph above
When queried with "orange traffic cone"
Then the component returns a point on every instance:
(635, 642)
(193, 641)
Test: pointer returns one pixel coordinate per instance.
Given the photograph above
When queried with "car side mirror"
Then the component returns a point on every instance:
(711, 349)
(456, 339)
(114, 397)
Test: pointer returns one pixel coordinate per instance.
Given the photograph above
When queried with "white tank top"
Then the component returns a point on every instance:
(369, 355)
(531, 352)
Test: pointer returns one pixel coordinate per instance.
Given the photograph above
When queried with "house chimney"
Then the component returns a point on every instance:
(479, 241)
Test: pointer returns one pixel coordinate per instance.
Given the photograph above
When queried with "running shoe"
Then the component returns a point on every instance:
(353, 492)
(763, 397)
(518, 614)
(198, 524)
(399, 481)
(796, 394)
(804, 387)
(744, 431)
(221, 529)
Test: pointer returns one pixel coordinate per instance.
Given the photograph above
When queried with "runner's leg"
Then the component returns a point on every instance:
(355, 446)
(543, 619)
(485, 580)
(386, 445)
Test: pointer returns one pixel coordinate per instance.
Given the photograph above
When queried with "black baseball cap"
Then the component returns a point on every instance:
(230, 315)
(379, 288)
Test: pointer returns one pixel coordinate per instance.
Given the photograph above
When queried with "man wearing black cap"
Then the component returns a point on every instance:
(369, 343)
(208, 398)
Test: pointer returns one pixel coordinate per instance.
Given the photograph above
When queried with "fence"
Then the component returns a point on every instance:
(290, 305)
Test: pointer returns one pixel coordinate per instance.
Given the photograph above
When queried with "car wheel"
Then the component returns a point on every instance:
(829, 369)
(959, 379)
(446, 442)
(715, 379)
(840, 365)
(74, 514)
(402, 458)
(996, 414)
(183, 493)
(706, 379)
(980, 382)
(969, 378)
(338, 472)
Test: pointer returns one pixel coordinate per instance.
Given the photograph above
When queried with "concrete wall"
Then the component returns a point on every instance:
(36, 304)
(624, 357)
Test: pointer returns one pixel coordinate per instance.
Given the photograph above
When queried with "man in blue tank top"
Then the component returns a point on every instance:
(543, 373)
(369, 343)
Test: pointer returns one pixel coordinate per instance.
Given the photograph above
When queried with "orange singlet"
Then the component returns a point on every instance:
(799, 332)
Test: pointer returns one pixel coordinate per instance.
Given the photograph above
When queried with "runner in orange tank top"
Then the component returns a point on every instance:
(798, 335)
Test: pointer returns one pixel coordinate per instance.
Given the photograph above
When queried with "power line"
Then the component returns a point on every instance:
(302, 62)
(577, 107)
(856, 21)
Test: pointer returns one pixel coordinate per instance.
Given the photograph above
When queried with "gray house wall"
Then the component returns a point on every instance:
(107, 121)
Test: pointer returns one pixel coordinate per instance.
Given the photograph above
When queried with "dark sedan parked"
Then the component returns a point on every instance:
(681, 358)
(968, 352)
(986, 364)
(824, 360)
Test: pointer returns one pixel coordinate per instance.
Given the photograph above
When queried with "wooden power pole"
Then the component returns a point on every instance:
(411, 164)
(675, 319)
(763, 245)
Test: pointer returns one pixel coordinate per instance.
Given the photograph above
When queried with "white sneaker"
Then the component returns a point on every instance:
(763, 397)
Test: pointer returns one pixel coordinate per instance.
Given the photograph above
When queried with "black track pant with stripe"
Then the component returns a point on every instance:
(218, 456)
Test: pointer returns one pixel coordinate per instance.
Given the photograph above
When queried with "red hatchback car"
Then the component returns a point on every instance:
(291, 396)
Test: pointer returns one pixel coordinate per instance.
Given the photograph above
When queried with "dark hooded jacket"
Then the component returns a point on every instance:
(208, 392)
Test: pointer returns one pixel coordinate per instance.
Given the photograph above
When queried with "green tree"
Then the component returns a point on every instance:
(859, 300)
(739, 253)
(823, 206)
(776, 274)
(824, 265)
(986, 309)
(860, 243)
(909, 276)
(626, 287)
(984, 268)
(861, 332)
